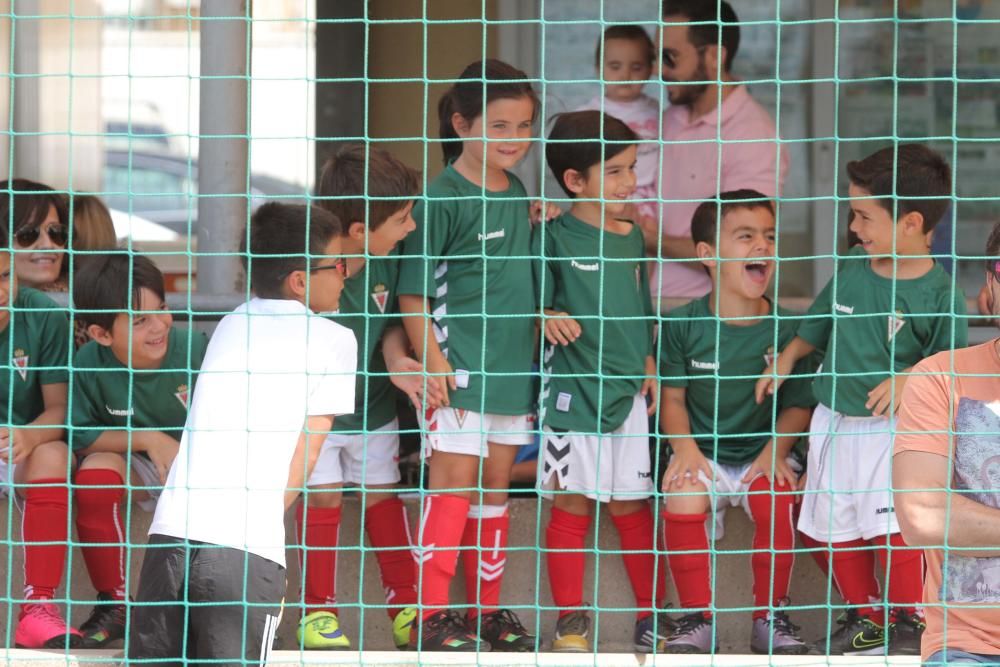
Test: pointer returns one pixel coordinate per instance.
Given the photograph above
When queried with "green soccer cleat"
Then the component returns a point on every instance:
(320, 631)
(401, 626)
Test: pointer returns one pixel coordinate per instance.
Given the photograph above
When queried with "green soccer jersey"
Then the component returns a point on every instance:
(36, 343)
(867, 333)
(719, 380)
(367, 306)
(108, 396)
(469, 257)
(600, 279)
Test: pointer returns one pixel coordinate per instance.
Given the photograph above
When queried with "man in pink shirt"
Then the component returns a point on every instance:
(707, 104)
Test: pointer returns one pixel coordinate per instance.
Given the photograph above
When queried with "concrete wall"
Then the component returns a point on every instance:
(525, 583)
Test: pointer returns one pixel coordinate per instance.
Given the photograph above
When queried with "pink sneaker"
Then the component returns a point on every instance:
(41, 626)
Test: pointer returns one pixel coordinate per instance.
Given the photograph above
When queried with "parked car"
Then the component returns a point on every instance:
(163, 187)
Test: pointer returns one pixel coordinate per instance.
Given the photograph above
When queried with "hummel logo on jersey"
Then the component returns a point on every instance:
(896, 322)
(847, 310)
(20, 362)
(643, 475)
(584, 267)
(380, 295)
(704, 365)
(182, 395)
(115, 412)
(491, 235)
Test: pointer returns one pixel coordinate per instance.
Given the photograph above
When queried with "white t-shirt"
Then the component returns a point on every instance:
(270, 364)
(643, 116)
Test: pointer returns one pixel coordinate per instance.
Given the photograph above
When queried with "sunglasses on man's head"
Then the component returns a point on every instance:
(27, 236)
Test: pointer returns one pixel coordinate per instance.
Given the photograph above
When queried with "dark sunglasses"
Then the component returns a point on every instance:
(340, 265)
(28, 235)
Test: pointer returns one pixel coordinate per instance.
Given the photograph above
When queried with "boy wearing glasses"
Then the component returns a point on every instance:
(131, 384)
(363, 449)
(274, 376)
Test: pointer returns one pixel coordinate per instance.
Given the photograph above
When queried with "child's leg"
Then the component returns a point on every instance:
(45, 518)
(99, 495)
(485, 536)
(564, 543)
(773, 540)
(634, 521)
(687, 544)
(388, 530)
(317, 520)
(444, 517)
(904, 572)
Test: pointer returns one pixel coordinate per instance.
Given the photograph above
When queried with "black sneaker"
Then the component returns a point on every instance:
(504, 632)
(905, 633)
(651, 631)
(445, 631)
(106, 622)
(858, 635)
(694, 634)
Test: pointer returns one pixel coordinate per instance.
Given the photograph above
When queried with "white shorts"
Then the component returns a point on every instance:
(359, 458)
(729, 490)
(612, 466)
(848, 493)
(461, 431)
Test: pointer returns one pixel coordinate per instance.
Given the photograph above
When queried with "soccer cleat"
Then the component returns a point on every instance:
(776, 635)
(401, 626)
(444, 631)
(858, 635)
(106, 622)
(40, 625)
(905, 633)
(651, 631)
(694, 634)
(572, 631)
(320, 631)
(504, 632)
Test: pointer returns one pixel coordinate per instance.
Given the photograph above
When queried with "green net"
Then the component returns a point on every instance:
(184, 118)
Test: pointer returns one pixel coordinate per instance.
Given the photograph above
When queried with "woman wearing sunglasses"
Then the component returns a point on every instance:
(39, 220)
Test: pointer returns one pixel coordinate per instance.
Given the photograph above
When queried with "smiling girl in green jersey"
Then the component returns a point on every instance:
(466, 284)
(599, 384)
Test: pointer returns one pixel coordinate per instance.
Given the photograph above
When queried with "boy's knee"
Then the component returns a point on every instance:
(49, 460)
(691, 499)
(324, 496)
(105, 461)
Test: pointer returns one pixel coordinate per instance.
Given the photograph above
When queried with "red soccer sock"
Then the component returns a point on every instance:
(389, 532)
(484, 561)
(635, 532)
(46, 512)
(853, 567)
(441, 530)
(818, 552)
(99, 521)
(772, 557)
(687, 551)
(319, 532)
(905, 576)
(566, 533)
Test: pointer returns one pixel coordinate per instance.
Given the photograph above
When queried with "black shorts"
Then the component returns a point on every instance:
(181, 609)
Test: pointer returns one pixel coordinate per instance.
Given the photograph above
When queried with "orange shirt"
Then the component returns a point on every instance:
(955, 411)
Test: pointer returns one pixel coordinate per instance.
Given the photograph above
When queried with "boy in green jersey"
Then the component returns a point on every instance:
(131, 384)
(363, 448)
(599, 386)
(729, 451)
(35, 340)
(888, 306)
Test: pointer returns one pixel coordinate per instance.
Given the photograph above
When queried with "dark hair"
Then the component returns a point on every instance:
(284, 238)
(709, 214)
(993, 250)
(581, 139)
(919, 172)
(480, 83)
(366, 184)
(710, 18)
(105, 286)
(25, 204)
(633, 33)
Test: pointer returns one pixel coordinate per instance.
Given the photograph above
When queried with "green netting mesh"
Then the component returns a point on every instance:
(185, 117)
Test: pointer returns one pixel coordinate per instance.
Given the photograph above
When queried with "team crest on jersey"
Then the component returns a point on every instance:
(182, 395)
(460, 416)
(20, 362)
(380, 295)
(896, 322)
(769, 356)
